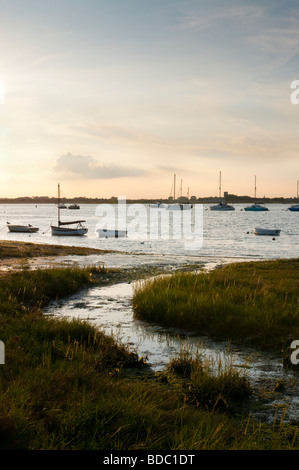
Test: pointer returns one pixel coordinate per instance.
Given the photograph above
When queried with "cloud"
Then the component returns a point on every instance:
(73, 166)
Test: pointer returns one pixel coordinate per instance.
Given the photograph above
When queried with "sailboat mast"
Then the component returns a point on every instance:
(254, 187)
(174, 179)
(220, 185)
(58, 203)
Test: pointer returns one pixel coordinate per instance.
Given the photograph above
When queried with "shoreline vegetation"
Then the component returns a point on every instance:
(18, 249)
(232, 198)
(255, 303)
(66, 385)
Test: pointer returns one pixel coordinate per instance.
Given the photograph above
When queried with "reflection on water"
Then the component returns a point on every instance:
(110, 309)
(227, 234)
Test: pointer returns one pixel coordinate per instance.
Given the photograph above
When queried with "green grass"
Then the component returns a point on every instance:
(21, 250)
(209, 383)
(254, 302)
(65, 385)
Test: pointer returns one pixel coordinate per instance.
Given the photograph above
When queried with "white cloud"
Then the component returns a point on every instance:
(86, 167)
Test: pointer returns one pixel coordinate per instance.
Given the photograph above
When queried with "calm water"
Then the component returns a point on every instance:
(225, 235)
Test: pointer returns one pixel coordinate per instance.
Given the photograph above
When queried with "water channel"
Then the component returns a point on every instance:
(109, 308)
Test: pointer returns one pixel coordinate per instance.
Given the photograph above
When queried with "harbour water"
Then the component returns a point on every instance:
(225, 234)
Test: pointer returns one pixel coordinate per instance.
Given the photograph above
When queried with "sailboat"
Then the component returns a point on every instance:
(255, 207)
(295, 208)
(222, 205)
(62, 228)
(177, 205)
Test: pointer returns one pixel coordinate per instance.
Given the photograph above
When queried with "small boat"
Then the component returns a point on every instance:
(266, 231)
(179, 207)
(255, 207)
(222, 205)
(79, 230)
(63, 229)
(62, 206)
(110, 233)
(295, 208)
(74, 206)
(22, 228)
(158, 205)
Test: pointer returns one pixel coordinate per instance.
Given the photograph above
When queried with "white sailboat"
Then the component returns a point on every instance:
(295, 208)
(63, 229)
(222, 205)
(177, 205)
(255, 207)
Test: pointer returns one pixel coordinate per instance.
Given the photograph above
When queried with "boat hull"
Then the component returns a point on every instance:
(222, 208)
(69, 232)
(294, 209)
(22, 228)
(256, 209)
(264, 231)
(179, 207)
(106, 233)
(158, 205)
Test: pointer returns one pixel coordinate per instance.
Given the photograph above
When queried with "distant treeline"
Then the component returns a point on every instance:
(232, 198)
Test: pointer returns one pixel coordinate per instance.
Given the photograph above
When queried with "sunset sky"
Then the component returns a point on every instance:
(112, 97)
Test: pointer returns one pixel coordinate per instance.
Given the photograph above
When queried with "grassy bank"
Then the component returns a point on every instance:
(254, 302)
(17, 249)
(65, 385)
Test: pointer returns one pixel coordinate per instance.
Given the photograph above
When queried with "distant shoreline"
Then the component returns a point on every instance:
(231, 198)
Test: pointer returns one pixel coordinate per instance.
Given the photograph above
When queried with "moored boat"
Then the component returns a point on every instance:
(179, 207)
(158, 205)
(79, 230)
(255, 207)
(295, 207)
(22, 228)
(63, 228)
(222, 205)
(266, 231)
(110, 233)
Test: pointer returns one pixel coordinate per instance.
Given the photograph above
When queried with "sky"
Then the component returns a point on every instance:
(114, 97)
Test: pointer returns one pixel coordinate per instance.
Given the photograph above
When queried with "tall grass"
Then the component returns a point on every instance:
(65, 385)
(256, 302)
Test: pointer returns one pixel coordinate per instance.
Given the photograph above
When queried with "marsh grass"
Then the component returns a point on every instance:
(256, 302)
(65, 385)
(23, 250)
(210, 382)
